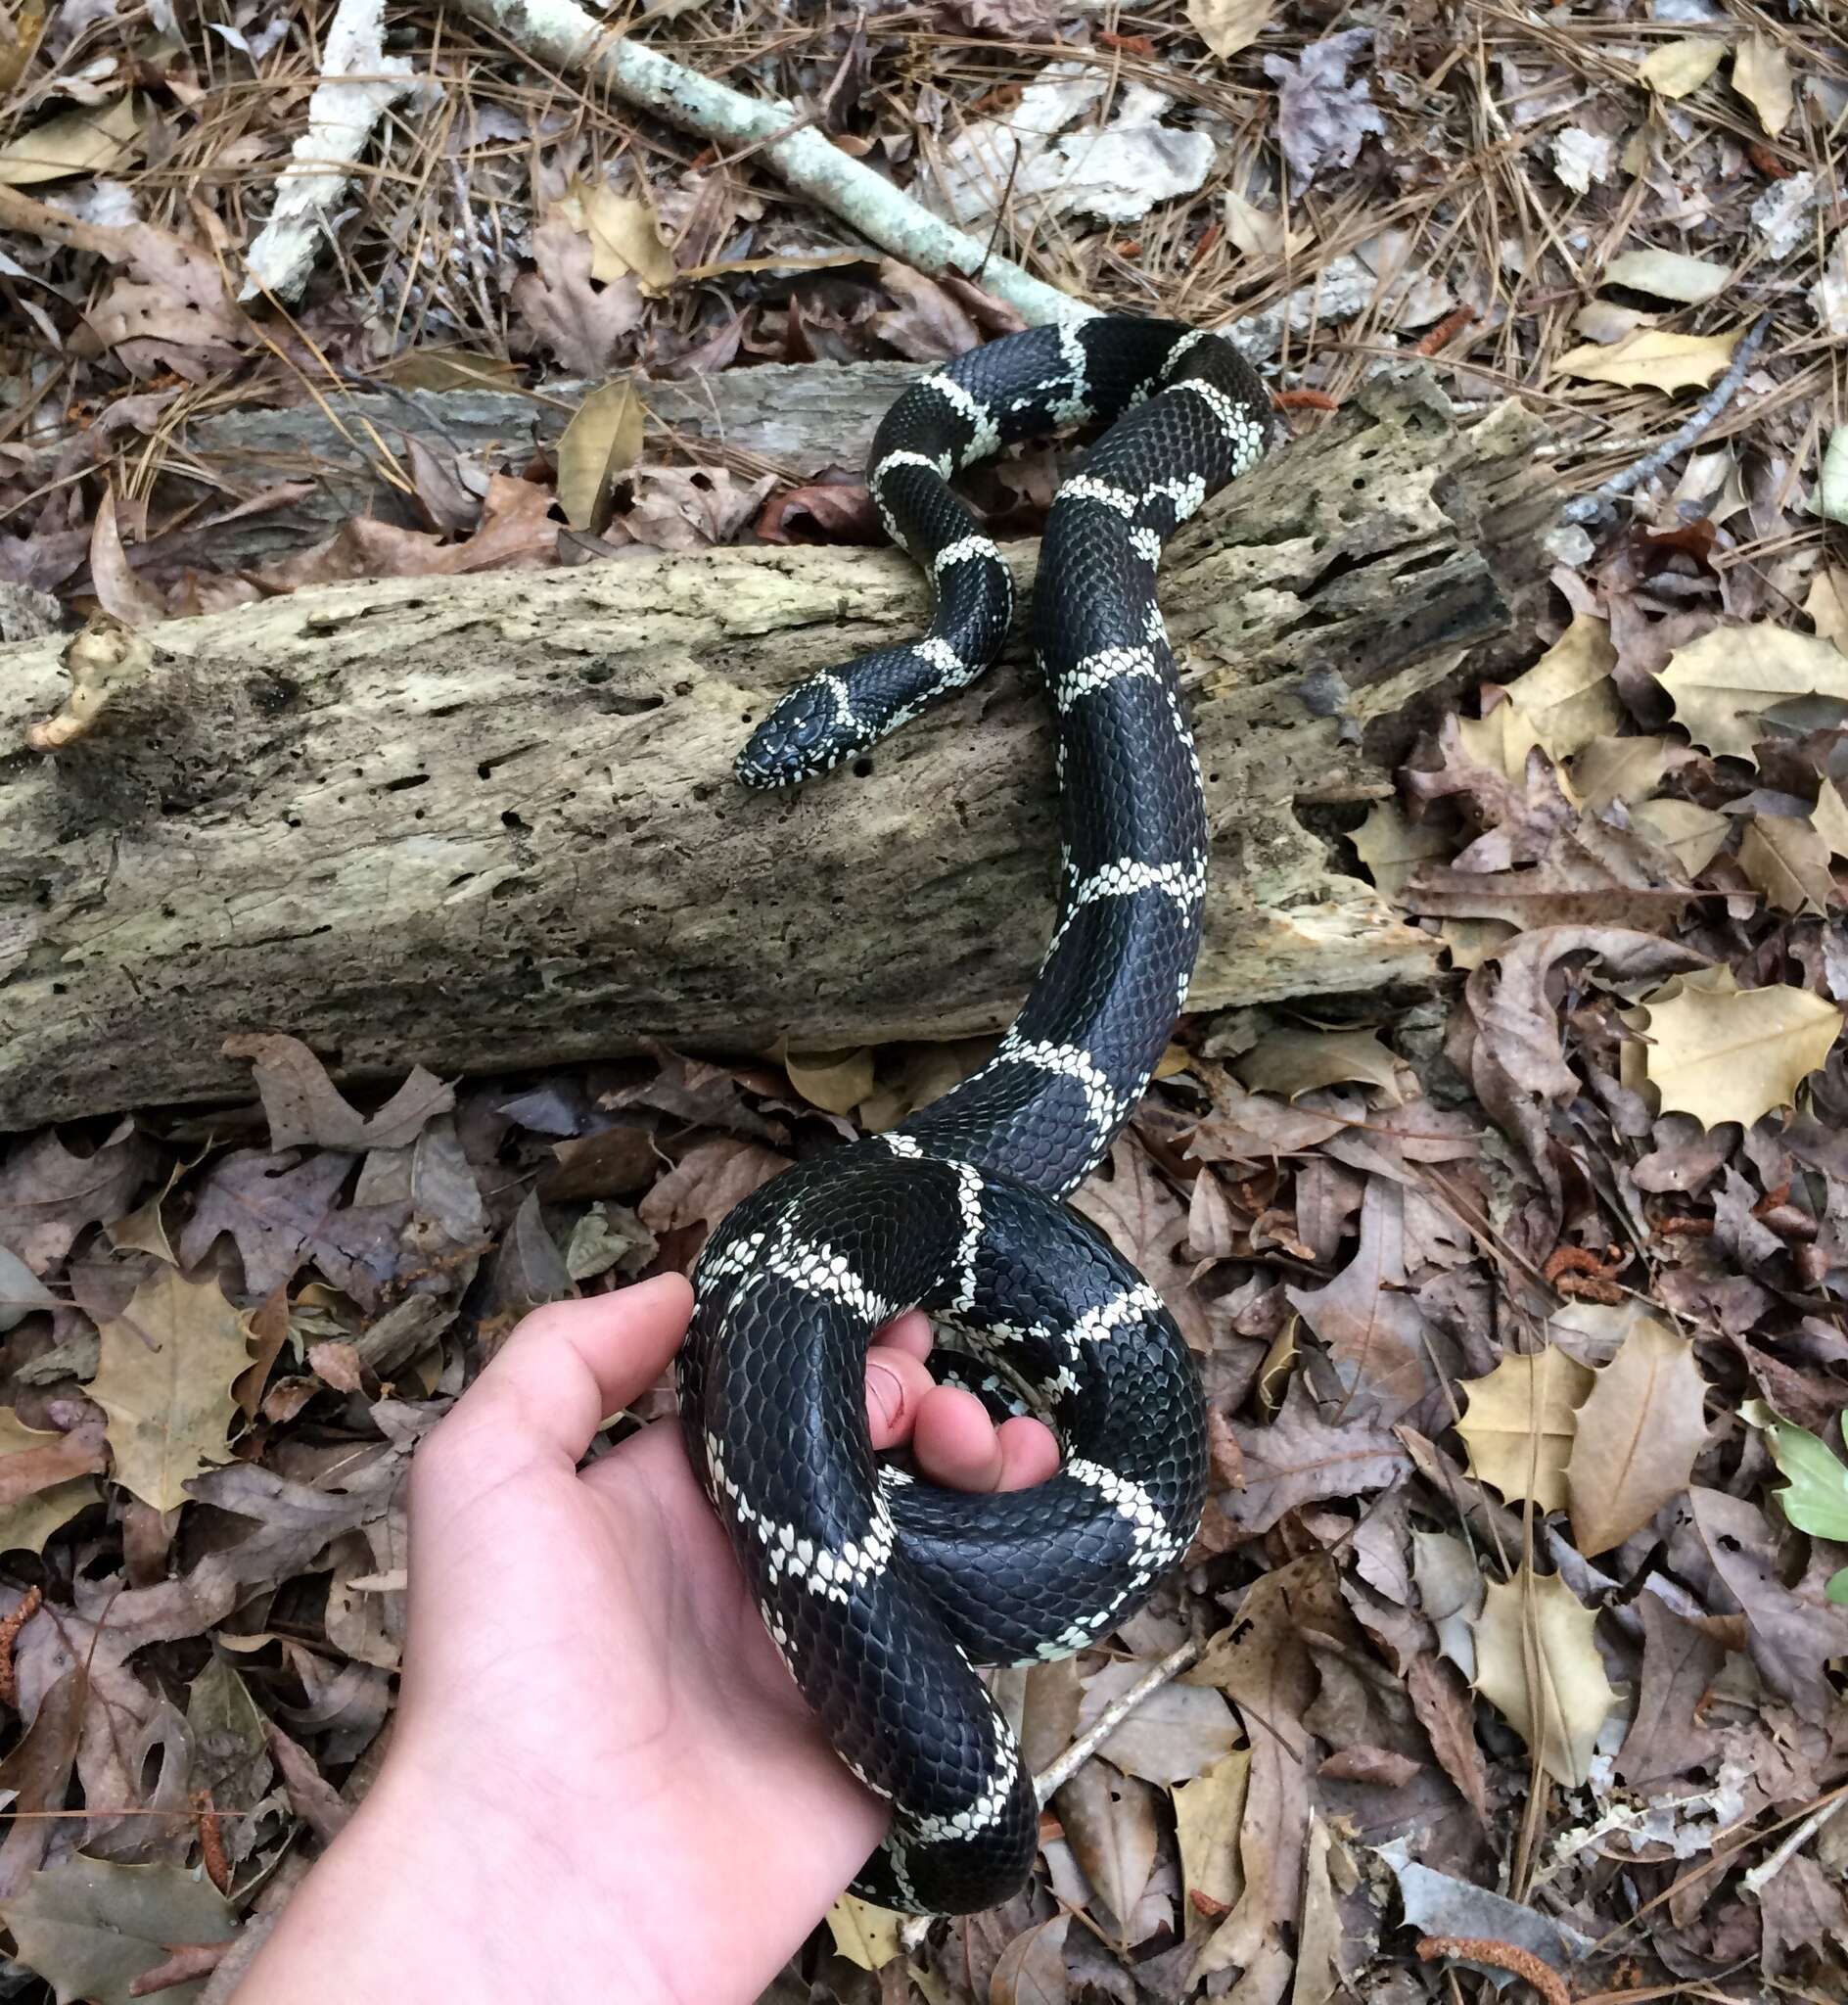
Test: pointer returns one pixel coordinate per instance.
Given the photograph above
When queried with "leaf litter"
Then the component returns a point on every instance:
(1520, 1307)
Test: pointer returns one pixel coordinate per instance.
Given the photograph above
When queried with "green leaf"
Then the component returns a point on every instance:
(90, 1929)
(1815, 1498)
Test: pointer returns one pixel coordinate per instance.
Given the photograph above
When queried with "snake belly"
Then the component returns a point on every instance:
(880, 1590)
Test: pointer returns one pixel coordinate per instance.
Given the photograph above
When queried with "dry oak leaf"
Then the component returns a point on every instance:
(1538, 1664)
(1298, 1061)
(303, 1106)
(1723, 683)
(1392, 847)
(165, 1380)
(44, 1478)
(1733, 1058)
(1653, 359)
(1518, 1429)
(624, 236)
(1301, 1458)
(1640, 1429)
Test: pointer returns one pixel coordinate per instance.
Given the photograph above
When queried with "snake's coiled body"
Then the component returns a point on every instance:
(879, 1590)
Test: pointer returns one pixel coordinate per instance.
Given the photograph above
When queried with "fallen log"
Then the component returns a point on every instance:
(489, 821)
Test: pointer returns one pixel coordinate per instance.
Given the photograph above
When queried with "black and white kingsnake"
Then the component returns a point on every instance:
(881, 1590)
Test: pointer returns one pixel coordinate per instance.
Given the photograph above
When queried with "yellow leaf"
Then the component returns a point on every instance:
(602, 440)
(1722, 1057)
(30, 1516)
(1538, 1664)
(1690, 834)
(1227, 25)
(1640, 1429)
(1761, 74)
(865, 1935)
(1501, 741)
(834, 1081)
(1293, 1061)
(1831, 818)
(85, 140)
(1392, 847)
(623, 234)
(1518, 1429)
(1828, 605)
(1669, 275)
(1568, 693)
(1724, 682)
(1209, 1815)
(1651, 359)
(1677, 68)
(1627, 769)
(1788, 861)
(18, 42)
(1471, 942)
(165, 1380)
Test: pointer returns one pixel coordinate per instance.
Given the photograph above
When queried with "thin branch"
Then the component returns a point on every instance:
(1587, 507)
(1057, 1774)
(562, 35)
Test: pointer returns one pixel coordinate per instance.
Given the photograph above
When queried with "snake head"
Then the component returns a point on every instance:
(805, 734)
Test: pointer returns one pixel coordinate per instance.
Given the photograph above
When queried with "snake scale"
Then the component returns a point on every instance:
(880, 1590)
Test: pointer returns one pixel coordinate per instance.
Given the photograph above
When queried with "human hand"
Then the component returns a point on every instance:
(602, 1779)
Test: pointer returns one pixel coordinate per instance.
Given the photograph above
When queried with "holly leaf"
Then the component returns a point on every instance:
(1691, 835)
(1723, 683)
(1831, 818)
(1787, 859)
(1651, 359)
(1568, 693)
(1733, 1058)
(1640, 1429)
(165, 1380)
(90, 1929)
(1538, 1664)
(1519, 1425)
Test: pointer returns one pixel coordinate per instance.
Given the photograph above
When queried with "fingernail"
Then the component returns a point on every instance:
(887, 1390)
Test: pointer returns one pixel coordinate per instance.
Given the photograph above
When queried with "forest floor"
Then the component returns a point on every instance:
(1522, 1304)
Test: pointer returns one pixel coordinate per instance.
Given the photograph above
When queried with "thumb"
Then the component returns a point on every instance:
(556, 1380)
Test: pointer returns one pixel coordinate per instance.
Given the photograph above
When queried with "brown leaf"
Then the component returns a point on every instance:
(1442, 1702)
(928, 325)
(271, 1205)
(1301, 1458)
(1792, 1636)
(1667, 1738)
(602, 440)
(302, 1104)
(33, 1461)
(1639, 1432)
(706, 1182)
(1178, 1733)
(120, 592)
(1144, 1221)
(1031, 1967)
(1109, 1821)
(48, 1196)
(1384, 1351)
(1263, 1666)
(584, 325)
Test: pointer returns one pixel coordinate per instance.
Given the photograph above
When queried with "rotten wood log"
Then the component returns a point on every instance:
(485, 822)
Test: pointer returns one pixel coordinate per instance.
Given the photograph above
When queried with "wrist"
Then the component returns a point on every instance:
(428, 1901)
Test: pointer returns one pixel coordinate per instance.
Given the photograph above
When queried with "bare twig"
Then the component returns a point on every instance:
(561, 33)
(1057, 1774)
(1766, 1870)
(1589, 507)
